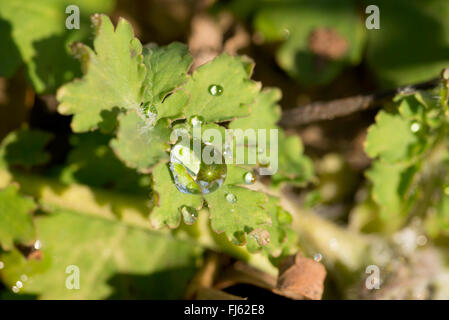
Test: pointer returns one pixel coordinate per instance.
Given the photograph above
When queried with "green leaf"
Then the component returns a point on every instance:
(138, 144)
(114, 261)
(294, 166)
(396, 60)
(232, 74)
(170, 201)
(173, 107)
(91, 161)
(25, 147)
(265, 112)
(34, 33)
(391, 138)
(16, 224)
(235, 210)
(391, 184)
(282, 238)
(113, 79)
(166, 70)
(296, 22)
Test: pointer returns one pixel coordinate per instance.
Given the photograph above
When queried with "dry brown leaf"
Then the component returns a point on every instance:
(300, 278)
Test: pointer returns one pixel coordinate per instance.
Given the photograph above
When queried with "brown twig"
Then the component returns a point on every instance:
(328, 110)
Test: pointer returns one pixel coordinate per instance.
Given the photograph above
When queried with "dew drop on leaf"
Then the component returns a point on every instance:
(2, 265)
(37, 245)
(197, 121)
(318, 257)
(249, 178)
(192, 175)
(215, 90)
(189, 214)
(231, 198)
(415, 126)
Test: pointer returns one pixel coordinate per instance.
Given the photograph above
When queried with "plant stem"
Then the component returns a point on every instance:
(328, 110)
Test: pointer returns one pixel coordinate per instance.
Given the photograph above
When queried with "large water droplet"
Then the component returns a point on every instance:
(15, 289)
(231, 198)
(191, 174)
(2, 265)
(249, 178)
(215, 90)
(19, 284)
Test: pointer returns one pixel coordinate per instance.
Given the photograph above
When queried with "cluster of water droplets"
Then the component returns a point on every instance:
(19, 284)
(192, 175)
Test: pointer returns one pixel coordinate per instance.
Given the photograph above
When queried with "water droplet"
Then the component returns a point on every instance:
(191, 174)
(318, 257)
(19, 284)
(197, 121)
(189, 214)
(415, 127)
(231, 198)
(261, 236)
(15, 289)
(2, 265)
(215, 90)
(260, 149)
(37, 245)
(249, 178)
(24, 277)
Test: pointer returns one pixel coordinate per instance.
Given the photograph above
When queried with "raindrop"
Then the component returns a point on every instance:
(415, 127)
(2, 265)
(19, 284)
(193, 176)
(189, 214)
(318, 257)
(249, 178)
(24, 277)
(37, 245)
(231, 198)
(215, 90)
(15, 289)
(197, 121)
